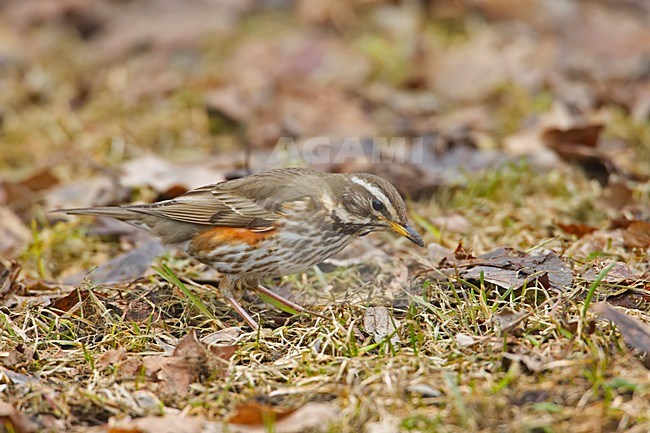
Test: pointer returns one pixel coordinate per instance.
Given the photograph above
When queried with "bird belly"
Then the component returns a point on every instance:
(263, 255)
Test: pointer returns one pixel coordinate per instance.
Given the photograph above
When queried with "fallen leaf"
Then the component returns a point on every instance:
(635, 332)
(126, 267)
(9, 271)
(617, 195)
(637, 235)
(508, 320)
(162, 175)
(18, 379)
(14, 235)
(426, 391)
(20, 194)
(578, 144)
(69, 303)
(532, 363)
(509, 268)
(378, 323)
(13, 421)
(577, 229)
(254, 413)
(223, 351)
(182, 368)
(464, 340)
(620, 273)
(95, 191)
(111, 357)
(165, 424)
(312, 416)
(226, 335)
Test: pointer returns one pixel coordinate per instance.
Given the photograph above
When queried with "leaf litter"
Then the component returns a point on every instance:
(103, 110)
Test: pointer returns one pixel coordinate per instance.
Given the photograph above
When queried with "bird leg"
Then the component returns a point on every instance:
(225, 288)
(241, 311)
(284, 301)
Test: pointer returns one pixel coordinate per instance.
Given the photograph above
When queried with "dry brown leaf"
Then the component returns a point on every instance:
(95, 191)
(577, 229)
(166, 424)
(620, 273)
(508, 268)
(378, 322)
(635, 332)
(223, 336)
(14, 235)
(637, 235)
(254, 413)
(223, 351)
(162, 175)
(578, 144)
(21, 193)
(188, 359)
(9, 271)
(111, 357)
(312, 417)
(126, 267)
(13, 421)
(69, 303)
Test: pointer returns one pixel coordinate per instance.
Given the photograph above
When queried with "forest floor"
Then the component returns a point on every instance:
(525, 132)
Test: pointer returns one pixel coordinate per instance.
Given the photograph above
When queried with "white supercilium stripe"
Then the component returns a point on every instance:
(378, 193)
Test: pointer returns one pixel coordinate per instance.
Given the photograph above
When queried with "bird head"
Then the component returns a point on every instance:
(370, 203)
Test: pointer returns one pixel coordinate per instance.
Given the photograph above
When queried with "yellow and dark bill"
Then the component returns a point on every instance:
(408, 232)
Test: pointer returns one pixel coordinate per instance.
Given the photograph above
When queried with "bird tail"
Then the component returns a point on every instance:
(128, 214)
(120, 213)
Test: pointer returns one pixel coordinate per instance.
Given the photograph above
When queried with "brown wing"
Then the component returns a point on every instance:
(249, 202)
(214, 206)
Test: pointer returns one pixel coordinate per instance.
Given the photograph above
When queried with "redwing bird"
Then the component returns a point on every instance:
(274, 223)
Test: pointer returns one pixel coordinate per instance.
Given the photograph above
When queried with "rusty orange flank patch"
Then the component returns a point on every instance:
(212, 238)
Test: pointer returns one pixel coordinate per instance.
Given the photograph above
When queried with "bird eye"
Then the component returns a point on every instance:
(377, 205)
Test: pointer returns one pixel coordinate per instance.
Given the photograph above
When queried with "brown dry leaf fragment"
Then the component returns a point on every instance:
(18, 379)
(533, 363)
(312, 417)
(226, 335)
(579, 145)
(617, 195)
(21, 194)
(14, 235)
(162, 175)
(508, 320)
(508, 268)
(166, 424)
(69, 303)
(129, 266)
(171, 192)
(224, 351)
(460, 253)
(111, 357)
(181, 369)
(620, 273)
(254, 413)
(95, 191)
(13, 421)
(378, 323)
(637, 235)
(577, 229)
(189, 347)
(9, 271)
(635, 332)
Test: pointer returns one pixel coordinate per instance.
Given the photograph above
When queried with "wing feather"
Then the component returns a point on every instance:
(213, 207)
